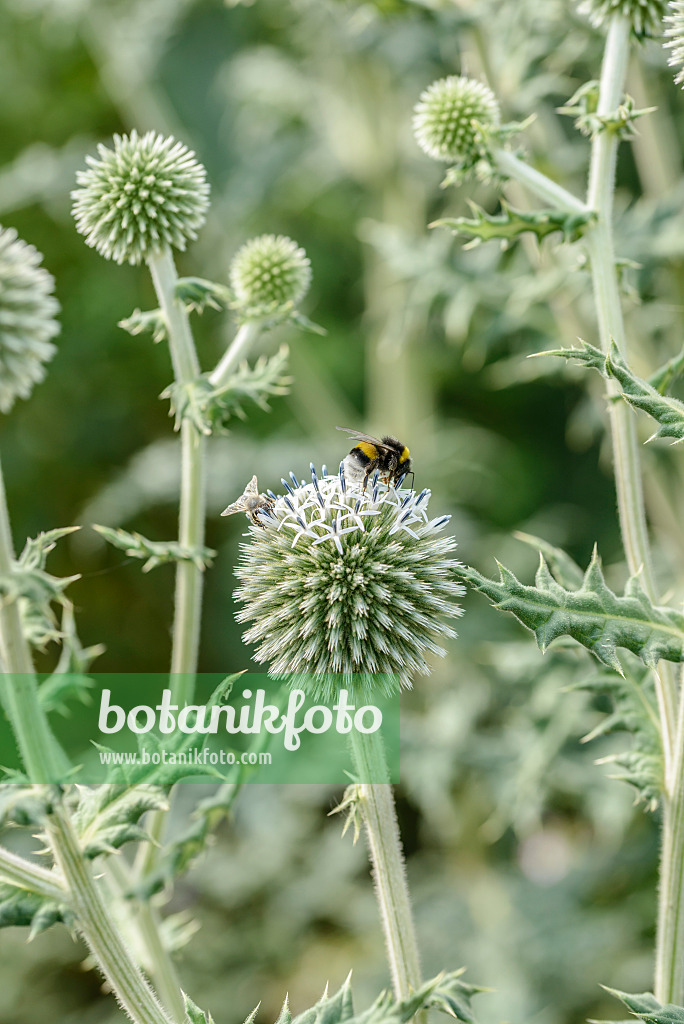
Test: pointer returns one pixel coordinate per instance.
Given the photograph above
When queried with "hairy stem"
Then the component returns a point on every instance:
(669, 977)
(95, 924)
(387, 860)
(43, 760)
(188, 603)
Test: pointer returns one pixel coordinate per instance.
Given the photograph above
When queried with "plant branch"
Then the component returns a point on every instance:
(27, 875)
(537, 183)
(189, 581)
(96, 926)
(43, 760)
(387, 859)
(237, 350)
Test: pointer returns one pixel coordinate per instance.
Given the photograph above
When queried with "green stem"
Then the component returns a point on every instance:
(669, 974)
(387, 860)
(546, 189)
(144, 918)
(43, 760)
(237, 350)
(95, 924)
(27, 875)
(189, 580)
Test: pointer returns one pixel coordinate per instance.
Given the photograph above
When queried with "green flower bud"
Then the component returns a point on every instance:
(675, 37)
(337, 581)
(27, 318)
(146, 194)
(645, 16)
(453, 118)
(268, 273)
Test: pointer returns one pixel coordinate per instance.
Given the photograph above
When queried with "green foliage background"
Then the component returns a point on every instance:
(526, 863)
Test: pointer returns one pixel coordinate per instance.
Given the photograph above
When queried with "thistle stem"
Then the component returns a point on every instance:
(43, 760)
(95, 924)
(189, 581)
(26, 875)
(547, 190)
(389, 873)
(238, 349)
(669, 973)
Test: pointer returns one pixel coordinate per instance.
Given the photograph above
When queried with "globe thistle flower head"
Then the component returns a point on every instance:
(346, 588)
(644, 16)
(453, 119)
(675, 37)
(27, 318)
(144, 195)
(268, 274)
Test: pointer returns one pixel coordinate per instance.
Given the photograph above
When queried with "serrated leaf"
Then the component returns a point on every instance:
(154, 552)
(108, 816)
(23, 805)
(666, 411)
(194, 1014)
(152, 321)
(646, 1006)
(635, 712)
(593, 615)
(563, 567)
(666, 374)
(511, 223)
(19, 908)
(211, 408)
(196, 294)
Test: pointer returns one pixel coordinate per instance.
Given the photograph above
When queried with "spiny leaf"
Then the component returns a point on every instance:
(635, 712)
(19, 908)
(668, 412)
(647, 1007)
(196, 294)
(193, 1013)
(665, 375)
(563, 567)
(154, 552)
(151, 320)
(23, 805)
(511, 223)
(107, 816)
(593, 615)
(210, 408)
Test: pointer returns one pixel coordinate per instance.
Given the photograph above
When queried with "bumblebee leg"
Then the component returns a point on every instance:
(370, 468)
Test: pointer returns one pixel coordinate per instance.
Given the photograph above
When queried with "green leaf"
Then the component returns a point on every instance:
(666, 375)
(668, 412)
(648, 1008)
(211, 408)
(108, 816)
(563, 567)
(593, 615)
(152, 320)
(19, 908)
(153, 551)
(511, 223)
(196, 294)
(193, 1013)
(635, 712)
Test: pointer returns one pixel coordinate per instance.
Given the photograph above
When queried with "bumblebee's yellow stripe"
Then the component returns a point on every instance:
(368, 449)
(404, 456)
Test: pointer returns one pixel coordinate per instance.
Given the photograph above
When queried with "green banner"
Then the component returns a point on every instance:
(132, 728)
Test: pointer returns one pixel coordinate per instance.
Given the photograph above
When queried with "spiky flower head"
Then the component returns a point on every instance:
(356, 584)
(453, 118)
(269, 273)
(644, 16)
(147, 193)
(675, 37)
(27, 318)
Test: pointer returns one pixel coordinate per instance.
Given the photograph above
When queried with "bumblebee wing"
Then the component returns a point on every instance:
(237, 506)
(357, 435)
(252, 489)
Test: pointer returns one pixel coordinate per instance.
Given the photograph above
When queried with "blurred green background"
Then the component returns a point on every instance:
(526, 862)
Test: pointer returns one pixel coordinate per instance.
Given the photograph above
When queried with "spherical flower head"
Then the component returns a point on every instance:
(146, 194)
(644, 16)
(348, 589)
(268, 273)
(27, 318)
(453, 118)
(675, 37)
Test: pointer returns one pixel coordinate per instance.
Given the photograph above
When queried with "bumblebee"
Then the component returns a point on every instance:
(387, 454)
(251, 503)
